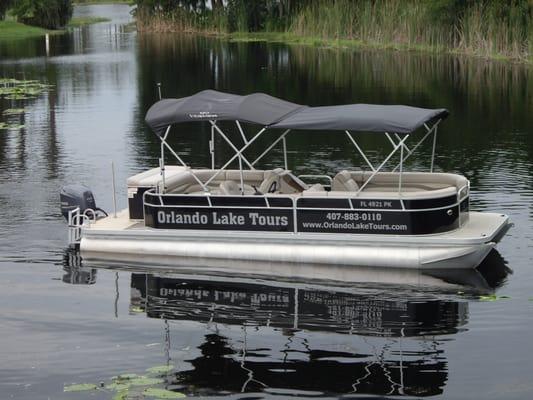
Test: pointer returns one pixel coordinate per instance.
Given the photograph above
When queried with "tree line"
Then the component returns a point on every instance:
(482, 27)
(257, 15)
(49, 14)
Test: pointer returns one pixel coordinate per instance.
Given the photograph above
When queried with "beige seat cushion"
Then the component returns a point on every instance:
(343, 181)
(272, 181)
(230, 187)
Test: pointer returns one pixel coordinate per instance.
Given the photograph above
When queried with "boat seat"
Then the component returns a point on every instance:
(230, 187)
(317, 187)
(343, 181)
(272, 181)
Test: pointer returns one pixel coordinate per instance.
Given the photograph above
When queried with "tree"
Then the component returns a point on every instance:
(4, 6)
(49, 14)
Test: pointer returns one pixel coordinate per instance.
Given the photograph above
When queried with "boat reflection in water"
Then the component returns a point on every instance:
(74, 272)
(311, 338)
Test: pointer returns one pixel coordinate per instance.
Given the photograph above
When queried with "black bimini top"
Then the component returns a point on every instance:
(271, 112)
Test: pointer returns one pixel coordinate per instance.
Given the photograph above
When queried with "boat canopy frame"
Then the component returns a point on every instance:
(287, 116)
(398, 143)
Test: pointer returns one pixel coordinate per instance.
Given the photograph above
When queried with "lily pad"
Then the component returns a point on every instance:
(122, 395)
(124, 377)
(14, 111)
(493, 297)
(16, 127)
(118, 386)
(14, 89)
(4, 125)
(80, 387)
(144, 381)
(160, 369)
(17, 97)
(163, 394)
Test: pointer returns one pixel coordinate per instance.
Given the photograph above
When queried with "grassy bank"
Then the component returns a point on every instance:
(488, 28)
(11, 30)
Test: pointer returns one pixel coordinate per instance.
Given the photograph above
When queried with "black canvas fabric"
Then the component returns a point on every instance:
(361, 117)
(265, 110)
(257, 108)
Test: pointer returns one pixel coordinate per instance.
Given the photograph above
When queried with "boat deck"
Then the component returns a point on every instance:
(480, 228)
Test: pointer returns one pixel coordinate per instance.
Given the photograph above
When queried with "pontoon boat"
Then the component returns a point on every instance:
(358, 217)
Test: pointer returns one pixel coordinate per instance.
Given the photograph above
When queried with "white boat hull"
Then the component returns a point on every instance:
(119, 241)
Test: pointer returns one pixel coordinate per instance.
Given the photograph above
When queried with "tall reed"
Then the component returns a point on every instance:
(496, 28)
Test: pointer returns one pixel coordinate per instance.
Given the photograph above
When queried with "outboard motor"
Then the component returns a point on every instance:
(73, 196)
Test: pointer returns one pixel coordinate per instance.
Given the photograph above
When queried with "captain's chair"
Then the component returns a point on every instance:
(344, 182)
(272, 181)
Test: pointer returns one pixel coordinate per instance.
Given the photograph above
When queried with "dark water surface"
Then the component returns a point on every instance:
(413, 335)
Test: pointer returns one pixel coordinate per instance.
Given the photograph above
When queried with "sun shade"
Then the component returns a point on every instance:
(361, 117)
(268, 111)
(256, 108)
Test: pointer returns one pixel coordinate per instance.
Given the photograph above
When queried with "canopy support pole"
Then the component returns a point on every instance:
(204, 186)
(271, 146)
(231, 144)
(401, 171)
(399, 145)
(242, 175)
(162, 159)
(236, 155)
(433, 150)
(360, 151)
(285, 154)
(241, 131)
(410, 152)
(212, 147)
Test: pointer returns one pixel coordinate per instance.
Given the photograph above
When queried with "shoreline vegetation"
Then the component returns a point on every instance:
(13, 30)
(496, 29)
(91, 2)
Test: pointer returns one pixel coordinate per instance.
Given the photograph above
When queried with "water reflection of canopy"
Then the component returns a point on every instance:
(271, 112)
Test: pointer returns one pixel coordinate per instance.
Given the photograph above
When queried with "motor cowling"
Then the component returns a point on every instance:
(72, 196)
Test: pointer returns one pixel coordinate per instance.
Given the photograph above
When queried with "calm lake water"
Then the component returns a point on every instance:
(410, 335)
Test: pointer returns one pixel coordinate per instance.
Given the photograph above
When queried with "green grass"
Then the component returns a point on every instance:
(296, 39)
(11, 30)
(82, 21)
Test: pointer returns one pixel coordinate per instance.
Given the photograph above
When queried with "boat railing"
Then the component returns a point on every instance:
(76, 220)
(466, 189)
(294, 199)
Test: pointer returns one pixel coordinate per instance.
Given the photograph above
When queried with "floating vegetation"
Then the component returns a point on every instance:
(163, 394)
(81, 387)
(144, 381)
(161, 369)
(7, 126)
(15, 89)
(133, 386)
(493, 297)
(14, 111)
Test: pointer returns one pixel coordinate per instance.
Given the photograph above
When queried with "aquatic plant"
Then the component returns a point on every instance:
(493, 297)
(14, 111)
(16, 89)
(130, 385)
